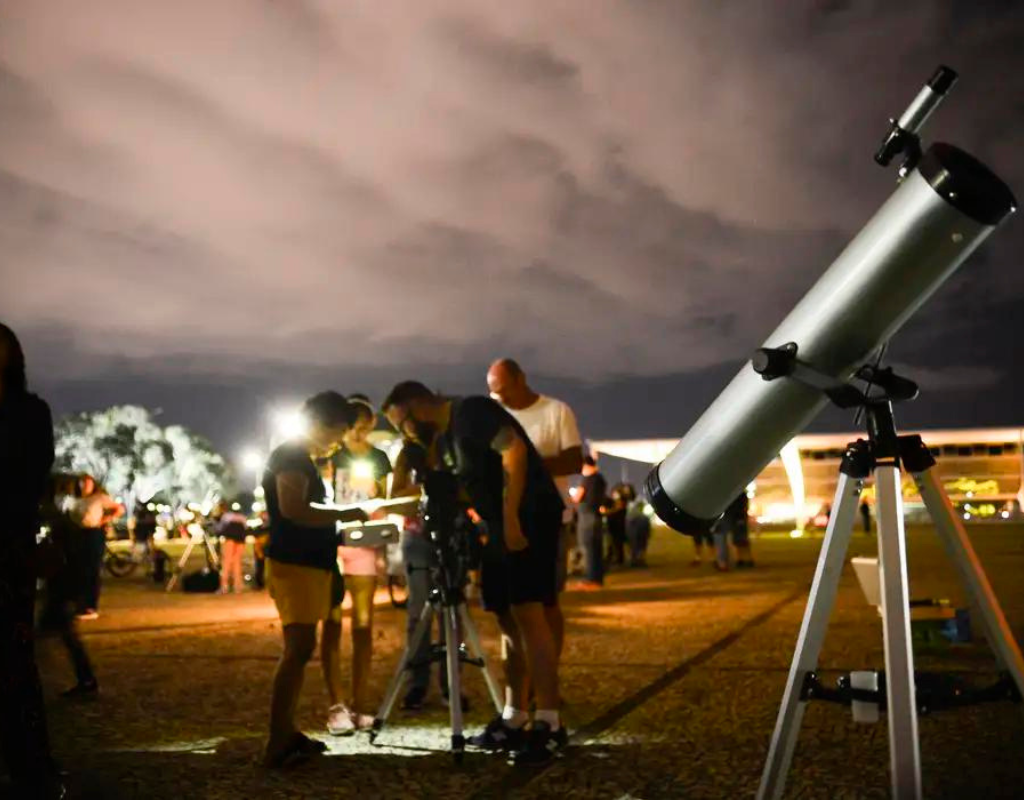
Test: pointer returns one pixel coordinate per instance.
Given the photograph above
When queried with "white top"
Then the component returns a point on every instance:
(88, 511)
(552, 428)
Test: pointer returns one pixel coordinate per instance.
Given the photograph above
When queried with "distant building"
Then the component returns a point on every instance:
(982, 469)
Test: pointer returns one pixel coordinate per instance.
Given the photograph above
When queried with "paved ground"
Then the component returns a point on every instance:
(672, 680)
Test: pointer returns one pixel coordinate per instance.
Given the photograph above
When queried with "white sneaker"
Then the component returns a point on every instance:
(339, 721)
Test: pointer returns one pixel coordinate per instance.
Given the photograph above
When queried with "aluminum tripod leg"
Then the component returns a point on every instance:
(904, 750)
(401, 673)
(954, 537)
(812, 634)
(452, 646)
(473, 639)
(181, 564)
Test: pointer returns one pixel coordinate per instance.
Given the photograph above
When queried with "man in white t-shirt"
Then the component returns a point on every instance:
(551, 426)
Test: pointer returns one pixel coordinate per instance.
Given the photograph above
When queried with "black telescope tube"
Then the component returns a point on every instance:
(668, 512)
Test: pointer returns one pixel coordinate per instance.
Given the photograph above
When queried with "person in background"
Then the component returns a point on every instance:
(259, 555)
(360, 472)
(62, 588)
(701, 539)
(638, 527)
(865, 516)
(733, 522)
(302, 558)
(144, 530)
(92, 511)
(590, 495)
(614, 512)
(551, 426)
(26, 456)
(232, 529)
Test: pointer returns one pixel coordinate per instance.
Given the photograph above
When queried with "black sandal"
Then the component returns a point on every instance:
(311, 746)
(296, 752)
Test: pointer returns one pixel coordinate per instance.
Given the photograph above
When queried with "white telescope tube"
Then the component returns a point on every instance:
(940, 213)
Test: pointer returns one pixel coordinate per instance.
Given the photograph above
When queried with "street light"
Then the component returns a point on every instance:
(288, 423)
(251, 460)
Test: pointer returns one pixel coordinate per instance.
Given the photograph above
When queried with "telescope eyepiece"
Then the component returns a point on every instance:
(943, 79)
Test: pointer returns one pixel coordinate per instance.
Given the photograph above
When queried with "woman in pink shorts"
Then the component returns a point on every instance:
(360, 473)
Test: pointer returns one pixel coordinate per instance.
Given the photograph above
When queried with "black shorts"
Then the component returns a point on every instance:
(528, 576)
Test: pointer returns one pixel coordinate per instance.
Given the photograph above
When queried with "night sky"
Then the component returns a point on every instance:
(216, 206)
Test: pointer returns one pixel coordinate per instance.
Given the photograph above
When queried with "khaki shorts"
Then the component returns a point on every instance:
(302, 594)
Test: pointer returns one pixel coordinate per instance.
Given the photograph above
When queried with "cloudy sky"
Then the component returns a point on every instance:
(212, 206)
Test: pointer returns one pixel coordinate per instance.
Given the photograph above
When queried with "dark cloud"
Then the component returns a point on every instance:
(612, 192)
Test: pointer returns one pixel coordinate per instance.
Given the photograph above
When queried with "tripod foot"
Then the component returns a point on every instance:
(458, 747)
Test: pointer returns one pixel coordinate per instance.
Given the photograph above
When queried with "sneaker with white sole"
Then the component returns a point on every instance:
(339, 721)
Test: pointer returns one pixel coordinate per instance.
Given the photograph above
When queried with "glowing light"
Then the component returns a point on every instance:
(251, 460)
(790, 457)
(289, 423)
(258, 492)
(236, 507)
(796, 533)
(185, 515)
(970, 487)
(967, 516)
(362, 469)
(150, 507)
(1005, 514)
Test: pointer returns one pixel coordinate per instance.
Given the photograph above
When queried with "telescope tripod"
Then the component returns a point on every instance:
(212, 561)
(449, 604)
(881, 457)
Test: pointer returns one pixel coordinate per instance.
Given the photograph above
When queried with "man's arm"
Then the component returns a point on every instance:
(568, 462)
(513, 453)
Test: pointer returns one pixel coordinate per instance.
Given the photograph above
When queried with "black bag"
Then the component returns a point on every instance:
(206, 581)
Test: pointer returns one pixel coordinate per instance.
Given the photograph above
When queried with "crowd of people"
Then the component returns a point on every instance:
(541, 511)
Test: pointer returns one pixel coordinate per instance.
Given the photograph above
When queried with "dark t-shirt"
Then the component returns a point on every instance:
(232, 526)
(343, 467)
(466, 450)
(26, 455)
(595, 492)
(291, 543)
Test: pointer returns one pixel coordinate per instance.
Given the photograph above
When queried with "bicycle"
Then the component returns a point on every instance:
(119, 563)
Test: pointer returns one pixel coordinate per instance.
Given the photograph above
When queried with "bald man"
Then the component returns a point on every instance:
(551, 426)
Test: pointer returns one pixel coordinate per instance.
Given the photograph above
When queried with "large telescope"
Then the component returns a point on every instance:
(946, 205)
